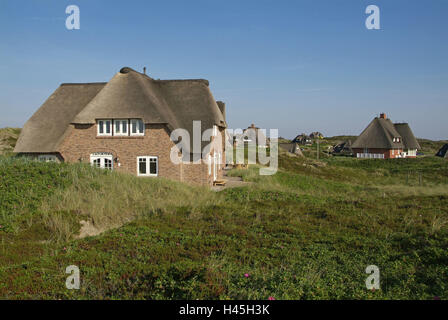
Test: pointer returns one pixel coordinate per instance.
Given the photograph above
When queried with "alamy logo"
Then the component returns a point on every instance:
(203, 144)
(373, 281)
(373, 21)
(73, 20)
(73, 281)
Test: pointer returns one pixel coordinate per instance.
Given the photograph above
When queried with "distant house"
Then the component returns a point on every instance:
(125, 125)
(291, 148)
(343, 149)
(303, 139)
(443, 152)
(383, 139)
(252, 134)
(316, 135)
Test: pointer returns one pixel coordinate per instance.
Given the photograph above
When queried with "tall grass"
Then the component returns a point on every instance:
(61, 195)
(110, 199)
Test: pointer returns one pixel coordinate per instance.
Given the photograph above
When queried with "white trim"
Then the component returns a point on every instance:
(101, 124)
(370, 155)
(147, 160)
(209, 164)
(102, 160)
(120, 131)
(135, 122)
(47, 158)
(215, 166)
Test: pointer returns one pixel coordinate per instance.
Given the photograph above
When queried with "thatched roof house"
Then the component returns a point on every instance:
(129, 94)
(252, 134)
(128, 118)
(303, 139)
(384, 139)
(291, 148)
(316, 135)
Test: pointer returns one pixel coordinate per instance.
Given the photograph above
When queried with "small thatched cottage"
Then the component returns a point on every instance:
(383, 139)
(252, 135)
(125, 125)
(316, 135)
(303, 139)
(291, 148)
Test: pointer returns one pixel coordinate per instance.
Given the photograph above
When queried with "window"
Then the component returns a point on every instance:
(147, 166)
(121, 127)
(104, 127)
(47, 158)
(137, 127)
(102, 160)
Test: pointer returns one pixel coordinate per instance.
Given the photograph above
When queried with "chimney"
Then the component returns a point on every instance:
(252, 125)
(222, 107)
(144, 70)
(383, 116)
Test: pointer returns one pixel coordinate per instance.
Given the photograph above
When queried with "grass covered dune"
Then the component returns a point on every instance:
(308, 232)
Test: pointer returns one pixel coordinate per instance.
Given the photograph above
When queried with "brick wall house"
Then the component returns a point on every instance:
(383, 139)
(125, 125)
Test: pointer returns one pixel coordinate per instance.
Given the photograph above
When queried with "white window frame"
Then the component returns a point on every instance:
(101, 123)
(120, 131)
(209, 160)
(47, 158)
(102, 157)
(135, 122)
(148, 166)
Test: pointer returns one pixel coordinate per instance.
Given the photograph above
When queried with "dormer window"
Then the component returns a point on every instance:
(104, 127)
(137, 127)
(121, 127)
(396, 139)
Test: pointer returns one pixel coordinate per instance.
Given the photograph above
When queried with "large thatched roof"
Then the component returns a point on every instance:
(380, 133)
(129, 94)
(46, 128)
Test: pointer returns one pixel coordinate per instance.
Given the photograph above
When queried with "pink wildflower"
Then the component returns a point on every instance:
(247, 275)
(271, 298)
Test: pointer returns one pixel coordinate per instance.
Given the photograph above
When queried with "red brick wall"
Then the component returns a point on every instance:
(81, 141)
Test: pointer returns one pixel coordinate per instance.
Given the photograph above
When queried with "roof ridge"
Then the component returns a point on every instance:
(385, 131)
(81, 83)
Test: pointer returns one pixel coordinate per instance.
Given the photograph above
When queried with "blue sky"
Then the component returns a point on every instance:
(298, 66)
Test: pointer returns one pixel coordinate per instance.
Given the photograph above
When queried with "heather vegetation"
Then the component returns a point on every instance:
(308, 232)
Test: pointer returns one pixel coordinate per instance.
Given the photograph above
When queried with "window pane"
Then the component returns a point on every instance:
(100, 125)
(107, 163)
(140, 126)
(153, 166)
(125, 126)
(108, 127)
(134, 126)
(142, 166)
(117, 127)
